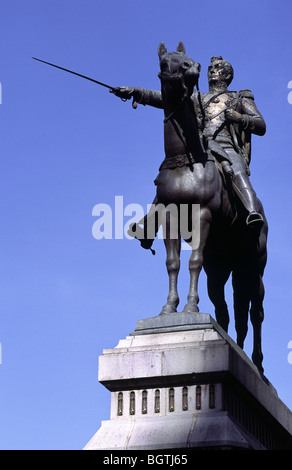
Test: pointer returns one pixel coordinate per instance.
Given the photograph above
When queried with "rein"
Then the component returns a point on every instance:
(175, 110)
(183, 102)
(175, 77)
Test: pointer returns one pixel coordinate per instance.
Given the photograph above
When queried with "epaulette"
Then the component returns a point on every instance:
(246, 94)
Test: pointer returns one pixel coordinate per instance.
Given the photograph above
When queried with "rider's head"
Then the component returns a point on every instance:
(220, 70)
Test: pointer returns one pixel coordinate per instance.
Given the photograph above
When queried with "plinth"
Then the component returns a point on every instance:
(179, 381)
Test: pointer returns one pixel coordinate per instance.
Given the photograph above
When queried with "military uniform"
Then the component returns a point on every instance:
(230, 143)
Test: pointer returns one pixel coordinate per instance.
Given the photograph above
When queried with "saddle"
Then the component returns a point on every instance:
(176, 161)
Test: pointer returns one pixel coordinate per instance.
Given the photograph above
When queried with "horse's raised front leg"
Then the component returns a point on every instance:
(196, 260)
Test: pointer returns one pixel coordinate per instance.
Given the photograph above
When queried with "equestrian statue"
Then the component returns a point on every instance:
(207, 143)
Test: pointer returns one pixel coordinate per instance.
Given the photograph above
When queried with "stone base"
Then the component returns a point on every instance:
(179, 381)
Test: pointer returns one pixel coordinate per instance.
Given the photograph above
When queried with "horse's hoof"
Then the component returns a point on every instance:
(258, 362)
(168, 309)
(191, 309)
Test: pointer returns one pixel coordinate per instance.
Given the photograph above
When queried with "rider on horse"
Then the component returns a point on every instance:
(227, 120)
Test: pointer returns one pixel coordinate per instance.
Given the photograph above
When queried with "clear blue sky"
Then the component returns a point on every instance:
(67, 145)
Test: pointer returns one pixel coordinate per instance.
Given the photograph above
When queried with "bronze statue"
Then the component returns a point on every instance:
(207, 156)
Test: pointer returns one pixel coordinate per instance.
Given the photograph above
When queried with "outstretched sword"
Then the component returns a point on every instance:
(111, 88)
(75, 73)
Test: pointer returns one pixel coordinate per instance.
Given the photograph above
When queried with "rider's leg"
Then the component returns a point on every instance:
(247, 195)
(244, 190)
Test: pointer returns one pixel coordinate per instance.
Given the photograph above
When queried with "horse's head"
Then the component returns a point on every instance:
(177, 70)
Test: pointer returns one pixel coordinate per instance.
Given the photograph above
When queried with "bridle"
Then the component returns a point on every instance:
(179, 77)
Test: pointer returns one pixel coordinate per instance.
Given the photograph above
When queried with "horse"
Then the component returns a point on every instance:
(190, 176)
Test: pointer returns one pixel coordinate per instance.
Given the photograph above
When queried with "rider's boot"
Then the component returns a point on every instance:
(247, 195)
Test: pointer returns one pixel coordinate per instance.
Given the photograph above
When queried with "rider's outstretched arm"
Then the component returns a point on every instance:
(140, 95)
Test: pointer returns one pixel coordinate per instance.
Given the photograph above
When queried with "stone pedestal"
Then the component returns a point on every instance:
(179, 381)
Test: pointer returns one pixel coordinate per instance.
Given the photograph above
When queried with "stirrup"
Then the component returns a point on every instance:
(254, 219)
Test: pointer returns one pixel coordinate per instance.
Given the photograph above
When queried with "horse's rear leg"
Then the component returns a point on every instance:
(241, 301)
(196, 261)
(216, 280)
(257, 317)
